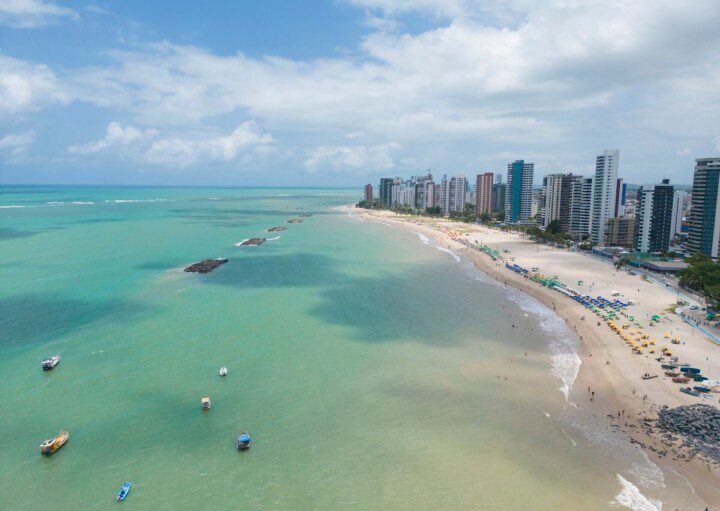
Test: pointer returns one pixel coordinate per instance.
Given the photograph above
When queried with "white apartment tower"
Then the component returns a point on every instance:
(677, 212)
(452, 192)
(553, 188)
(603, 193)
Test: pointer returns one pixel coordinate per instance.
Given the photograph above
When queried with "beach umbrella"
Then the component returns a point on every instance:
(666, 335)
(655, 316)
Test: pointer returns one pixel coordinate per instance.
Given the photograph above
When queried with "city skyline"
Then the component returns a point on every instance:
(229, 94)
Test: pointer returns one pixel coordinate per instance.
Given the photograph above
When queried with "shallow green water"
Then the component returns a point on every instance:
(369, 367)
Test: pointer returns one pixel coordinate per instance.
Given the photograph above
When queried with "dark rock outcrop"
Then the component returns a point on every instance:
(276, 229)
(252, 242)
(295, 221)
(698, 425)
(205, 266)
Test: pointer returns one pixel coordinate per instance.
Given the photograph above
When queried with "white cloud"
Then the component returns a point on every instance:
(115, 135)
(25, 86)
(32, 13)
(181, 151)
(184, 152)
(17, 143)
(562, 77)
(347, 158)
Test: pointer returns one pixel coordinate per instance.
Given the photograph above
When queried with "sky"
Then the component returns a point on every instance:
(342, 92)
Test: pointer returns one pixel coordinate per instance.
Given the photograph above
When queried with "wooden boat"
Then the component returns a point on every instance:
(49, 363)
(668, 366)
(672, 373)
(688, 390)
(680, 379)
(701, 388)
(243, 441)
(205, 403)
(53, 444)
(699, 378)
(647, 376)
(124, 491)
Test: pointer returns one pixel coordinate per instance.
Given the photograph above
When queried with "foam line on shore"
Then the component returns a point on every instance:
(631, 497)
(426, 241)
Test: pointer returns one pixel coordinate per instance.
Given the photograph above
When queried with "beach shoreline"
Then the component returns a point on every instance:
(608, 368)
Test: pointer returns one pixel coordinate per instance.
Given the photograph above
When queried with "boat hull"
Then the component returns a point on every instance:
(51, 446)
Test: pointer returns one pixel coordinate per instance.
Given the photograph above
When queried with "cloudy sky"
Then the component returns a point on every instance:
(340, 92)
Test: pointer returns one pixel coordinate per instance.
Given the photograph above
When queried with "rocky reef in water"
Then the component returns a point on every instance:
(252, 242)
(205, 266)
(276, 229)
(295, 221)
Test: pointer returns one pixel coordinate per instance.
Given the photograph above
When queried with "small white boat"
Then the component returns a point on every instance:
(223, 371)
(205, 403)
(50, 363)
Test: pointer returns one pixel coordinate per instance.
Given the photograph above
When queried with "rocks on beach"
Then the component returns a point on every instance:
(698, 425)
(205, 266)
(276, 229)
(252, 242)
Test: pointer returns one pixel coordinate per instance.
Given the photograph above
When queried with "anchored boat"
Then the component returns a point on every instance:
(223, 371)
(243, 441)
(49, 363)
(53, 444)
(205, 403)
(124, 491)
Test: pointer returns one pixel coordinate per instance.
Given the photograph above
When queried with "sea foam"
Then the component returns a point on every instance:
(631, 497)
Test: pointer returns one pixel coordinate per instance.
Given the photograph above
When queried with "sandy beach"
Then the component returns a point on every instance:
(609, 368)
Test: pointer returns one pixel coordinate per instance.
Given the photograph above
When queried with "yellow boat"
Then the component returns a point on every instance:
(53, 444)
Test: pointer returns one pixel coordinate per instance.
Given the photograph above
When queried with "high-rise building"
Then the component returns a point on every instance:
(643, 219)
(580, 204)
(552, 185)
(566, 196)
(498, 198)
(654, 218)
(368, 195)
(660, 230)
(620, 232)
(704, 236)
(453, 192)
(484, 193)
(518, 191)
(425, 196)
(620, 194)
(679, 199)
(385, 192)
(604, 193)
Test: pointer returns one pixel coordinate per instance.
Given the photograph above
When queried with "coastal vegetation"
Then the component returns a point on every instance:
(702, 275)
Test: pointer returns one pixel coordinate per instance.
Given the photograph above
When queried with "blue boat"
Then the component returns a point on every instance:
(243, 441)
(124, 491)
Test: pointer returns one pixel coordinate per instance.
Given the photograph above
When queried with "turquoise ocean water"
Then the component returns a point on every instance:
(369, 367)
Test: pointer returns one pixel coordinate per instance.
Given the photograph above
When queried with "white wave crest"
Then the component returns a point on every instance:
(631, 497)
(123, 201)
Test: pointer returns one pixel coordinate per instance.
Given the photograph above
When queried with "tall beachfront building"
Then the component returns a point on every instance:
(580, 204)
(452, 193)
(498, 198)
(385, 192)
(620, 194)
(368, 194)
(552, 186)
(604, 193)
(679, 199)
(484, 193)
(518, 191)
(654, 218)
(705, 211)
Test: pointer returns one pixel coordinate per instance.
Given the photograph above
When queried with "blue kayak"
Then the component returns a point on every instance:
(124, 491)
